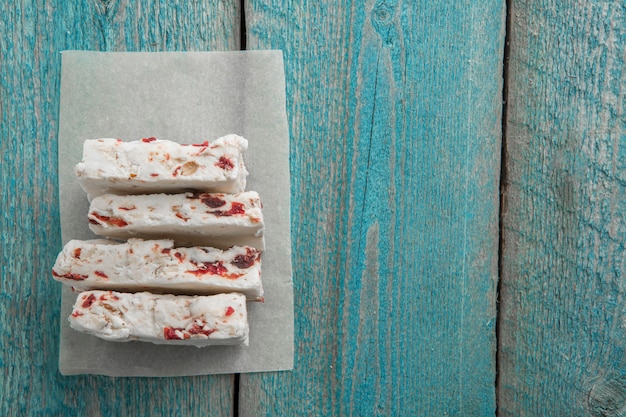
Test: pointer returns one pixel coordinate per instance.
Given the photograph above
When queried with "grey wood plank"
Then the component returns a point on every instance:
(32, 34)
(563, 299)
(395, 116)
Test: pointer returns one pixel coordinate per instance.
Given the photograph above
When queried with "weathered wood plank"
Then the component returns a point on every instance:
(563, 332)
(32, 33)
(395, 114)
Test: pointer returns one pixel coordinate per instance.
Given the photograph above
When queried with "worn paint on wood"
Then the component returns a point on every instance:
(394, 112)
(32, 33)
(563, 327)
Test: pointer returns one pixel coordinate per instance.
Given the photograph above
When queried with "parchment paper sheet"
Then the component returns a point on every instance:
(185, 97)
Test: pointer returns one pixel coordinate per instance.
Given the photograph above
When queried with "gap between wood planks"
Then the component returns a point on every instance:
(242, 25)
(503, 178)
(242, 47)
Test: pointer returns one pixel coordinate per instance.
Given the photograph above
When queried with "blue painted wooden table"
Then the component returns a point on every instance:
(402, 244)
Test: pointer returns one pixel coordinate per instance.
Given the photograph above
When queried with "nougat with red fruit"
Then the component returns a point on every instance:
(190, 219)
(162, 319)
(151, 165)
(158, 266)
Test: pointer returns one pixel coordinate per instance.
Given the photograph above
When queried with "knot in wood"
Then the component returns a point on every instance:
(382, 16)
(383, 13)
(607, 398)
(106, 7)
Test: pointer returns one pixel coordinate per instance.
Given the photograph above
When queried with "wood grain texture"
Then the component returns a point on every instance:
(395, 117)
(32, 33)
(563, 328)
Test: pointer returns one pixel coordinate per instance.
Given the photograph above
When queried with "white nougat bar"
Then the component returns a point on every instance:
(162, 319)
(112, 166)
(190, 219)
(157, 266)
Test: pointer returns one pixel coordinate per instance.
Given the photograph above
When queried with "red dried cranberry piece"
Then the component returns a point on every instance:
(170, 333)
(213, 202)
(245, 261)
(213, 268)
(75, 277)
(225, 163)
(115, 221)
(235, 208)
(89, 301)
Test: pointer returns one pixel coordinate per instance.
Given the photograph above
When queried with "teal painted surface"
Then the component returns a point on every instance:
(395, 111)
(32, 33)
(563, 332)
